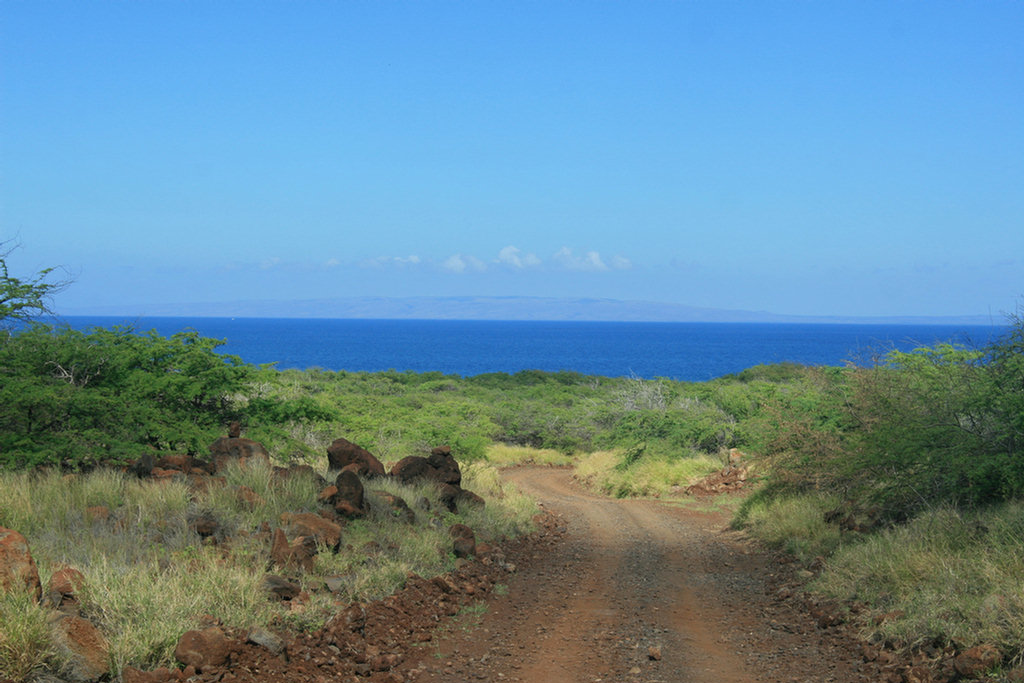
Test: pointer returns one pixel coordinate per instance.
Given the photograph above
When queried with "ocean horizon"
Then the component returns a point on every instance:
(687, 351)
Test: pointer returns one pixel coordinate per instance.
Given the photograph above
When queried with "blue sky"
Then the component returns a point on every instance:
(807, 158)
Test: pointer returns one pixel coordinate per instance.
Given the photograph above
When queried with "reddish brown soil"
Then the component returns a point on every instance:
(639, 591)
(608, 590)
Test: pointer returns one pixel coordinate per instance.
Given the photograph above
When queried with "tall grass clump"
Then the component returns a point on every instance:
(632, 472)
(145, 606)
(507, 455)
(793, 524)
(948, 575)
(32, 500)
(25, 640)
(508, 512)
(276, 495)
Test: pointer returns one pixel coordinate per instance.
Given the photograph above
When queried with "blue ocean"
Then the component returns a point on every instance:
(681, 351)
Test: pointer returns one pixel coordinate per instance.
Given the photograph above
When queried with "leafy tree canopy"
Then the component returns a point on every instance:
(22, 300)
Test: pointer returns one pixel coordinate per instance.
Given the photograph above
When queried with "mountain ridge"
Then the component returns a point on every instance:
(591, 309)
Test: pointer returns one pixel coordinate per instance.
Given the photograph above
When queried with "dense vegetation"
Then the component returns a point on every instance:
(939, 424)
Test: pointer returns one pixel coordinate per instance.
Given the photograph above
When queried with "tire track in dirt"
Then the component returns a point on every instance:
(635, 591)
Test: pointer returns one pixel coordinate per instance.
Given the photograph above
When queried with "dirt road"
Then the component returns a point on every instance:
(637, 591)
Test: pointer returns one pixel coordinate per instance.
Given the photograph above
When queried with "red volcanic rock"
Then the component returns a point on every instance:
(411, 468)
(83, 647)
(397, 507)
(66, 581)
(203, 649)
(343, 452)
(225, 449)
(350, 500)
(977, 660)
(17, 568)
(446, 469)
(298, 554)
(463, 540)
(325, 532)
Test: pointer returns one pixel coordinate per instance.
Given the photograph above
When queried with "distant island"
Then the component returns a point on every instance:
(502, 308)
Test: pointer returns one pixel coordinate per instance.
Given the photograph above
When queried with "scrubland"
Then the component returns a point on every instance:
(900, 480)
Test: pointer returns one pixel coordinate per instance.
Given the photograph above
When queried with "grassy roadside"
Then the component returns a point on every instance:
(149, 577)
(948, 576)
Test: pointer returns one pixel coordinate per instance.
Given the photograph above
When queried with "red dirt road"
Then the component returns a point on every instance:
(640, 591)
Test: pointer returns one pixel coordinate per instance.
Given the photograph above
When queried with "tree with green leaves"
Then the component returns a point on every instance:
(22, 300)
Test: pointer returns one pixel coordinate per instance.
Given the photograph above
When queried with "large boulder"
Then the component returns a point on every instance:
(440, 466)
(83, 648)
(411, 468)
(446, 469)
(343, 452)
(17, 568)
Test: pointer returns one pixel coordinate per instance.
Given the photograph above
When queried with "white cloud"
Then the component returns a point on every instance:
(332, 263)
(454, 263)
(383, 261)
(270, 263)
(460, 263)
(590, 261)
(513, 256)
(621, 263)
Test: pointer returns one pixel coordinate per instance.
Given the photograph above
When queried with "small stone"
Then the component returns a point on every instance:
(280, 587)
(977, 660)
(267, 639)
(654, 653)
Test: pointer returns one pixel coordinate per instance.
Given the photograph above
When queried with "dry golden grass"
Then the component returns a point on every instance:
(647, 476)
(149, 577)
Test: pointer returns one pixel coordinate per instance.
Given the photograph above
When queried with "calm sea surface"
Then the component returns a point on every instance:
(684, 351)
